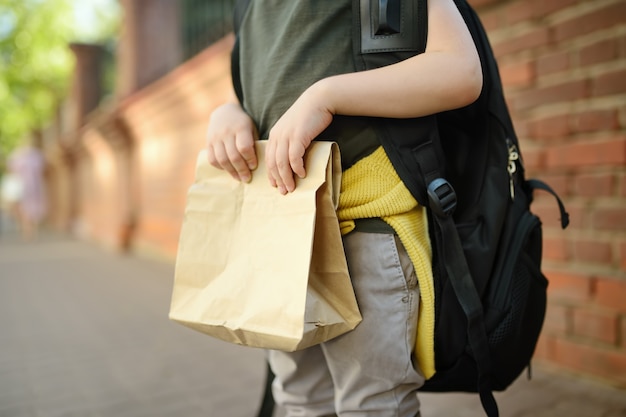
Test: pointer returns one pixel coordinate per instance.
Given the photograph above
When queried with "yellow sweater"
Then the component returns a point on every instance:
(371, 188)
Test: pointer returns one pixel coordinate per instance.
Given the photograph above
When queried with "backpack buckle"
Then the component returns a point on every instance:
(441, 197)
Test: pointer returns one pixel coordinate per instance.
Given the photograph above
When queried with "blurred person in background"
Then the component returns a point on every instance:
(27, 163)
(11, 194)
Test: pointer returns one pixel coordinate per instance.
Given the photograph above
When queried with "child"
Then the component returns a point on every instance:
(300, 84)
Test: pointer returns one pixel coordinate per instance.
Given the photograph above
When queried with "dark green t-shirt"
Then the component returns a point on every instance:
(286, 46)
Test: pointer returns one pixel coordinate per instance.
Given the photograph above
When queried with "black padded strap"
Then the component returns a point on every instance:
(453, 259)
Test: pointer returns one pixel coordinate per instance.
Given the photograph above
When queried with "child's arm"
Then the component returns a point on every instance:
(447, 76)
(230, 140)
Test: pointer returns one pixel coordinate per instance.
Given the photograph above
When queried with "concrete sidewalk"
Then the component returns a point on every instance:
(84, 333)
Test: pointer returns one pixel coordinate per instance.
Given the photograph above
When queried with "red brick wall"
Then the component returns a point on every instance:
(167, 122)
(563, 63)
(103, 197)
(123, 181)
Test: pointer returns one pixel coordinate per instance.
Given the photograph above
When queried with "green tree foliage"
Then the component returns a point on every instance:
(35, 64)
(35, 61)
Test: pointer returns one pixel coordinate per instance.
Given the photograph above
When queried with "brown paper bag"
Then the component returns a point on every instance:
(261, 269)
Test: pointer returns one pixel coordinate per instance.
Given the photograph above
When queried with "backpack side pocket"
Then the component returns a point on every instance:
(515, 314)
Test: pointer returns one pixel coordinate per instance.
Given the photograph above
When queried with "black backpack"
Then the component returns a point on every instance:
(465, 166)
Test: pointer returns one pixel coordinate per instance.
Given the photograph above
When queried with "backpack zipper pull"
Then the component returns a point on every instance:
(512, 167)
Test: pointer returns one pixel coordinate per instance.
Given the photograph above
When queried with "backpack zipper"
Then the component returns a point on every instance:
(512, 166)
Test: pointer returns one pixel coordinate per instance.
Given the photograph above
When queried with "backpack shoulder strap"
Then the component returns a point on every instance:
(388, 29)
(420, 165)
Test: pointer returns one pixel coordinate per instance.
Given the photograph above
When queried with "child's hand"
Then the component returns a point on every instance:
(230, 141)
(291, 136)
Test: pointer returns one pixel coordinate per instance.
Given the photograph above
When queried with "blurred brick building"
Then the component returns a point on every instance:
(120, 169)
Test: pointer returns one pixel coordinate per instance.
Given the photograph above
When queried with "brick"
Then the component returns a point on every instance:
(519, 74)
(521, 128)
(622, 331)
(598, 52)
(530, 40)
(553, 62)
(564, 92)
(610, 83)
(491, 20)
(568, 286)
(556, 249)
(601, 19)
(610, 293)
(609, 218)
(553, 127)
(593, 251)
(594, 185)
(534, 158)
(543, 347)
(559, 183)
(518, 12)
(604, 362)
(477, 4)
(599, 325)
(543, 7)
(604, 153)
(595, 120)
(558, 319)
(622, 46)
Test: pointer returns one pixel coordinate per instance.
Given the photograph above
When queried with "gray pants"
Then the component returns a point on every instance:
(368, 371)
